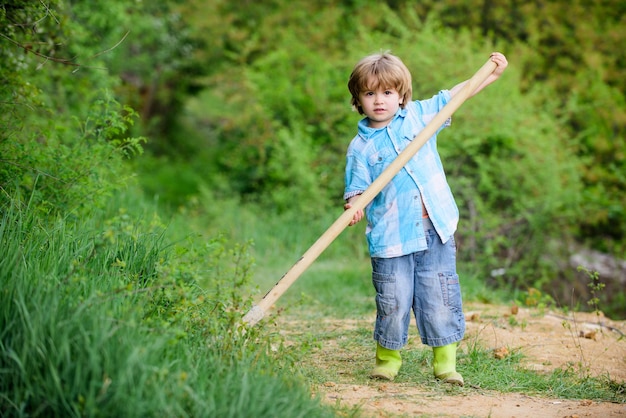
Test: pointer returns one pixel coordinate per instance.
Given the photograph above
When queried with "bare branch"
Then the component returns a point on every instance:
(49, 12)
(64, 61)
(113, 47)
(27, 49)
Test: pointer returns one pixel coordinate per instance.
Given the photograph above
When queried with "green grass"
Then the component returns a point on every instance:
(118, 315)
(331, 289)
(103, 318)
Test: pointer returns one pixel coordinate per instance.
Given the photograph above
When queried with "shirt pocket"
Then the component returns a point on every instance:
(378, 161)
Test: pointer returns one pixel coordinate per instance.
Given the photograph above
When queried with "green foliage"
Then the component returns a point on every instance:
(63, 135)
(92, 151)
(248, 117)
(272, 73)
(264, 127)
(566, 49)
(517, 184)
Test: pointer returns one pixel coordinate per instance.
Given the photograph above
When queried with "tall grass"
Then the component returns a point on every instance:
(337, 284)
(277, 240)
(104, 318)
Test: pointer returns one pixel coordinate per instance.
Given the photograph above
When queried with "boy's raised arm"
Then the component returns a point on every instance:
(501, 62)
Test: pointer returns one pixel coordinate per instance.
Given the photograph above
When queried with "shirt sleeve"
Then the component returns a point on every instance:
(430, 107)
(357, 177)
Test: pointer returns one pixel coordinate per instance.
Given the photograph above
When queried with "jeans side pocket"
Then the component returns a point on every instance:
(450, 290)
(385, 285)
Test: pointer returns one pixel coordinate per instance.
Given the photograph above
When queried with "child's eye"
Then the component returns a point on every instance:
(388, 92)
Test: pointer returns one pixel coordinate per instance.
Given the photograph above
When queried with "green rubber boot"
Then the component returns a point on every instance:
(388, 363)
(444, 364)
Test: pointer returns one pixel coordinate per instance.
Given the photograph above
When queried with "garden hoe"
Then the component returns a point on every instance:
(257, 312)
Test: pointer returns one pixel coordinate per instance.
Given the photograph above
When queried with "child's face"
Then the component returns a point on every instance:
(380, 105)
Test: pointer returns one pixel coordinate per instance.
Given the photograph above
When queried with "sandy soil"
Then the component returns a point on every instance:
(548, 340)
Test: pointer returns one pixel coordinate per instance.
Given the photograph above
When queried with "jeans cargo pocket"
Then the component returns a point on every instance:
(385, 285)
(450, 290)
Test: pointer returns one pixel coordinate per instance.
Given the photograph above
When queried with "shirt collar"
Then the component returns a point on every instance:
(366, 132)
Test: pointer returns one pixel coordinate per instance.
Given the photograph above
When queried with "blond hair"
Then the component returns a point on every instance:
(386, 71)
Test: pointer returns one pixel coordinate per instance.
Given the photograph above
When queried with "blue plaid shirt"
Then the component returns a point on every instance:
(394, 217)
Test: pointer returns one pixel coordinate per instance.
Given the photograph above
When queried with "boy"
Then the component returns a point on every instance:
(411, 222)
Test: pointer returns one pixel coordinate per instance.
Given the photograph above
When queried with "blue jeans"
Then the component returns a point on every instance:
(425, 282)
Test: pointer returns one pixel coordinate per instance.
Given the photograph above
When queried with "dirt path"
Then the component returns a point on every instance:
(548, 340)
(410, 402)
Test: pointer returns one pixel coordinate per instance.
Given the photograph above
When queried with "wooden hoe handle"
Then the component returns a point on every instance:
(258, 311)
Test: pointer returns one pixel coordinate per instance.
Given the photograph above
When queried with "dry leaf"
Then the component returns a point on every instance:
(501, 353)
